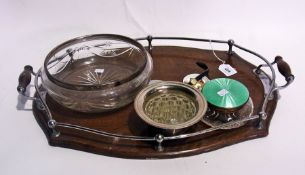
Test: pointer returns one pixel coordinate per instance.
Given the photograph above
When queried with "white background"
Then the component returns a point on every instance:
(30, 29)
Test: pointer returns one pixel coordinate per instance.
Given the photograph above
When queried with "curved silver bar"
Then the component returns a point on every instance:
(103, 133)
(143, 138)
(182, 38)
(42, 96)
(182, 136)
(263, 108)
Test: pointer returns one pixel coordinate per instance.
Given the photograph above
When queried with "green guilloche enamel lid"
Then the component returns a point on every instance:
(225, 93)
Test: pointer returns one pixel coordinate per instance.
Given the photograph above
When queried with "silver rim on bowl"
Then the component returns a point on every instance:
(70, 43)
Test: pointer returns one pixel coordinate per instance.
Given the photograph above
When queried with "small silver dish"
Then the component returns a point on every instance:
(170, 106)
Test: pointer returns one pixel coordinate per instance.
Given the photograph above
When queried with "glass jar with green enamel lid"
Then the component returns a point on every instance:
(225, 93)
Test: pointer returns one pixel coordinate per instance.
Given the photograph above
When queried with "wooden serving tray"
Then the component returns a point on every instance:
(170, 63)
